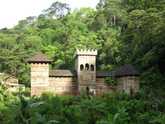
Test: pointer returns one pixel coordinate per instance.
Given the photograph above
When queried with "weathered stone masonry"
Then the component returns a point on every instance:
(83, 78)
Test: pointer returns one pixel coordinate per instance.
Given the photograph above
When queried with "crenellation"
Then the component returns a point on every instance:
(89, 52)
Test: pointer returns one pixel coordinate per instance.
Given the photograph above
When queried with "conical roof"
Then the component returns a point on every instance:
(39, 58)
(126, 70)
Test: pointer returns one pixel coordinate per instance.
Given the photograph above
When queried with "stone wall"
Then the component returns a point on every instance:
(41, 82)
(39, 74)
(69, 85)
(63, 85)
(128, 84)
(39, 78)
(102, 87)
(38, 90)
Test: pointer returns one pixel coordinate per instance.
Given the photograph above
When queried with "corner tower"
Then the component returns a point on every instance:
(86, 69)
(128, 79)
(39, 64)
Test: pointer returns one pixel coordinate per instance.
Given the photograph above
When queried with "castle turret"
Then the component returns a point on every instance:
(127, 77)
(86, 70)
(39, 73)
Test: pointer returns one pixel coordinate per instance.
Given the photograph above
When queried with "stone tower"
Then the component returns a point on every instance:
(127, 77)
(39, 64)
(86, 70)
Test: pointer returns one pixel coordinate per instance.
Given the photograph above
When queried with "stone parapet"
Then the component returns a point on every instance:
(63, 85)
(88, 52)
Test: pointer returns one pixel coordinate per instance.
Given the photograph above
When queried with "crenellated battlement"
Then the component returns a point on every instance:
(86, 52)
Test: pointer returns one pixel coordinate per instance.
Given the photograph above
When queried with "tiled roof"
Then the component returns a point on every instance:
(39, 58)
(126, 70)
(104, 74)
(62, 73)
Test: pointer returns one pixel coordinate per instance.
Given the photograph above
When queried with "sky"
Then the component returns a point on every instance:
(11, 11)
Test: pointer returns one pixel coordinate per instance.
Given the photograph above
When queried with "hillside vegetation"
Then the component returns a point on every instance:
(123, 31)
(106, 109)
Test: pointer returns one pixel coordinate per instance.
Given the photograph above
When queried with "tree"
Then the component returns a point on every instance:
(57, 10)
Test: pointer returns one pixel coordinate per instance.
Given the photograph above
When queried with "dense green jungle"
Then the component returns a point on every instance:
(123, 32)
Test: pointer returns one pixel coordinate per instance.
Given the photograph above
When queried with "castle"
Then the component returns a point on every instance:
(85, 78)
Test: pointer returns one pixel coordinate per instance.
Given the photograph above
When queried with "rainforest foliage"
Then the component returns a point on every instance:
(123, 31)
(106, 109)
